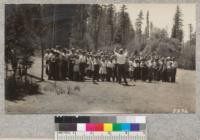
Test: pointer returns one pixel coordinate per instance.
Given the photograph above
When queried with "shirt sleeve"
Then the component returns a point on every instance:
(126, 53)
(116, 54)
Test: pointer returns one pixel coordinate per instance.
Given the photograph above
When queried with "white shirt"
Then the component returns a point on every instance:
(110, 64)
(149, 64)
(169, 64)
(174, 64)
(82, 58)
(121, 58)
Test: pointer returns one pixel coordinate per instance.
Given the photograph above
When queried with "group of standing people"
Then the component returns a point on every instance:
(77, 65)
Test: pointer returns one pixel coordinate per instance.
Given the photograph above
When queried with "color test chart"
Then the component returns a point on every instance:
(100, 128)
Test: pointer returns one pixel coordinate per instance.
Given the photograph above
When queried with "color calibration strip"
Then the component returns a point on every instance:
(100, 127)
(106, 127)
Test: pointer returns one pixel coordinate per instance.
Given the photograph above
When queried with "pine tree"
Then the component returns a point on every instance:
(125, 29)
(110, 22)
(190, 33)
(138, 26)
(151, 28)
(147, 32)
(177, 31)
(96, 12)
(79, 26)
(19, 39)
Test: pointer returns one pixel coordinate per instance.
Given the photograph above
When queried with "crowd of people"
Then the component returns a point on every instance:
(113, 66)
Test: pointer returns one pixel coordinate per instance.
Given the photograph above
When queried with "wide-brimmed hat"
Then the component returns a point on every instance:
(168, 58)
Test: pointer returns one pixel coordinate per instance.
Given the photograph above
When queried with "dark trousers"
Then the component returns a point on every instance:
(51, 73)
(96, 73)
(173, 75)
(115, 73)
(82, 70)
(109, 74)
(47, 68)
(164, 75)
(159, 74)
(71, 65)
(169, 75)
(122, 72)
(76, 76)
(64, 69)
(135, 73)
(56, 71)
(103, 76)
(143, 73)
(131, 75)
(155, 74)
(150, 74)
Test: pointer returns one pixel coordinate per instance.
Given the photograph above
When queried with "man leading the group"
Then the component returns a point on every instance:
(121, 61)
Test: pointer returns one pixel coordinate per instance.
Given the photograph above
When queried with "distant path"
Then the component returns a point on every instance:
(108, 97)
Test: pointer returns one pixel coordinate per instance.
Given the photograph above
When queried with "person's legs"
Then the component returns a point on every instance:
(109, 74)
(71, 71)
(103, 77)
(50, 70)
(119, 73)
(47, 68)
(168, 75)
(131, 75)
(82, 71)
(123, 73)
(150, 74)
(95, 73)
(173, 75)
(115, 73)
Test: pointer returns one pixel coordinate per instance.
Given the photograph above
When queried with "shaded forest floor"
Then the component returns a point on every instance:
(108, 97)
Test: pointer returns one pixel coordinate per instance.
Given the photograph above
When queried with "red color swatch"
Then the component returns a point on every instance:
(99, 127)
(90, 127)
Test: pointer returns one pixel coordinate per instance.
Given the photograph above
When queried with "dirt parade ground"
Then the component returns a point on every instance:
(108, 97)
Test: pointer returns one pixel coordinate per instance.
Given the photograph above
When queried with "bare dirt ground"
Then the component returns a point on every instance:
(108, 97)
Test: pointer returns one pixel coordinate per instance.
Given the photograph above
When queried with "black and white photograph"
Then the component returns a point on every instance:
(100, 58)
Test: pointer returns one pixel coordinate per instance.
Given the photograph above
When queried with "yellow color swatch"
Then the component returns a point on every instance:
(107, 127)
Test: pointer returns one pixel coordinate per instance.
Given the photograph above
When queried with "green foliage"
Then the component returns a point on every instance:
(79, 27)
(18, 40)
(187, 55)
(138, 24)
(177, 31)
(160, 44)
(147, 32)
(125, 31)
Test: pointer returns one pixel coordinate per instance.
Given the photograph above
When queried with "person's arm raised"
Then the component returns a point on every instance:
(115, 52)
(126, 52)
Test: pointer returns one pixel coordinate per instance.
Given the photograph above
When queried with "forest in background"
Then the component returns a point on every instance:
(36, 27)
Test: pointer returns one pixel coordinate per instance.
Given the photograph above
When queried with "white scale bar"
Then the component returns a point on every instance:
(100, 136)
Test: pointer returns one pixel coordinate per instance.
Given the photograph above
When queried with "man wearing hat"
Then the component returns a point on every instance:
(121, 60)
